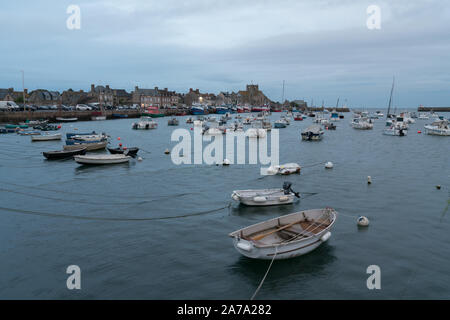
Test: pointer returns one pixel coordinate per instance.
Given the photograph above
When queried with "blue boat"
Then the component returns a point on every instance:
(71, 142)
(197, 110)
(119, 115)
(222, 110)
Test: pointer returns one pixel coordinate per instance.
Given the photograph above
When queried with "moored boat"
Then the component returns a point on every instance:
(101, 159)
(63, 154)
(90, 146)
(61, 119)
(173, 122)
(266, 197)
(46, 137)
(145, 123)
(438, 128)
(287, 236)
(132, 152)
(312, 133)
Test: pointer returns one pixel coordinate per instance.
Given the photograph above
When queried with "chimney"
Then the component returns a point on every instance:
(107, 87)
(156, 88)
(92, 87)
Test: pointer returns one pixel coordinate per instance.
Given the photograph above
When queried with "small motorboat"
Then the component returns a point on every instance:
(119, 115)
(173, 122)
(101, 159)
(280, 124)
(47, 127)
(61, 119)
(287, 236)
(284, 169)
(89, 145)
(329, 126)
(70, 135)
(266, 197)
(63, 154)
(312, 133)
(46, 137)
(298, 118)
(145, 123)
(132, 152)
(190, 120)
(438, 128)
(362, 124)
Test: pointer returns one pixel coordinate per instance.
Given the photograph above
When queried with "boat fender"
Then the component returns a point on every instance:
(259, 199)
(326, 236)
(234, 196)
(283, 198)
(244, 245)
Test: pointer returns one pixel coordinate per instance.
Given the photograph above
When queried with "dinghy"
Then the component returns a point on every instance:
(127, 151)
(63, 154)
(284, 169)
(61, 119)
(102, 159)
(90, 146)
(46, 137)
(173, 122)
(287, 236)
(266, 197)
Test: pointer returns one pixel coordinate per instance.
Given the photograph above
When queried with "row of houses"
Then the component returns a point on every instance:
(162, 98)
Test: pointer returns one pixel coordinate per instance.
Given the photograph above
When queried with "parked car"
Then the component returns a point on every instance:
(83, 107)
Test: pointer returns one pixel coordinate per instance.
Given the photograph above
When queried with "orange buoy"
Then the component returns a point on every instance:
(118, 138)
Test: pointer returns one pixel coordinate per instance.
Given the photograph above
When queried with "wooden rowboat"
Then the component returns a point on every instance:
(89, 146)
(102, 159)
(46, 137)
(62, 154)
(266, 197)
(287, 236)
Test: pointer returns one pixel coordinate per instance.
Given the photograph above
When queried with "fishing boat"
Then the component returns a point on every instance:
(222, 110)
(153, 112)
(89, 145)
(362, 124)
(98, 116)
(61, 119)
(87, 138)
(132, 152)
(197, 109)
(298, 117)
(438, 128)
(145, 123)
(287, 236)
(70, 135)
(64, 154)
(173, 122)
(334, 116)
(266, 197)
(33, 122)
(102, 159)
(312, 133)
(46, 137)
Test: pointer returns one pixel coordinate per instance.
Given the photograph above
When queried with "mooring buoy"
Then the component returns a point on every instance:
(363, 221)
(369, 179)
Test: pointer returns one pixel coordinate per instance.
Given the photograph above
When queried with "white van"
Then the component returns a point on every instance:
(8, 105)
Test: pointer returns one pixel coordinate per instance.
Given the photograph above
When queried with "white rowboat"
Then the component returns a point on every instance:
(102, 159)
(47, 137)
(287, 236)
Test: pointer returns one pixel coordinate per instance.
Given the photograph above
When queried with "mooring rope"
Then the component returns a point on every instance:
(57, 215)
(267, 272)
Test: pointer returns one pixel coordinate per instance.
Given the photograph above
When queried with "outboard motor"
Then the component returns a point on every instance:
(287, 189)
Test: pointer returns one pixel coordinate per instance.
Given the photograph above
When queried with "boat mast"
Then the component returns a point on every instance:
(337, 103)
(282, 96)
(390, 98)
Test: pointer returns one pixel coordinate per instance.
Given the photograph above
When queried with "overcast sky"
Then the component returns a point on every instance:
(322, 49)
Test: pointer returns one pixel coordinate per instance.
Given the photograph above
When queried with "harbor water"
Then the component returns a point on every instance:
(151, 229)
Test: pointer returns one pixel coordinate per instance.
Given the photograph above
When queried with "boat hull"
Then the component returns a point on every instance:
(46, 138)
(88, 146)
(55, 155)
(101, 160)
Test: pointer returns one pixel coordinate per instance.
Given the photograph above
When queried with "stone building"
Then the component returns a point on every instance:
(253, 96)
(44, 97)
(101, 94)
(162, 98)
(72, 98)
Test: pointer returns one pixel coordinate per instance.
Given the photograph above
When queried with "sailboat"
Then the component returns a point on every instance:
(396, 127)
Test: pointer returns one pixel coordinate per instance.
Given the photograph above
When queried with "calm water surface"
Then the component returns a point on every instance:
(129, 245)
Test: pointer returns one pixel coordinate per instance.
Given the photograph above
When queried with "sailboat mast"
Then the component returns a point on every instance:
(390, 98)
(282, 96)
(337, 103)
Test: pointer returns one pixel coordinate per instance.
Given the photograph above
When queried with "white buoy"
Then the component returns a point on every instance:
(369, 179)
(226, 162)
(363, 221)
(139, 159)
(329, 165)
